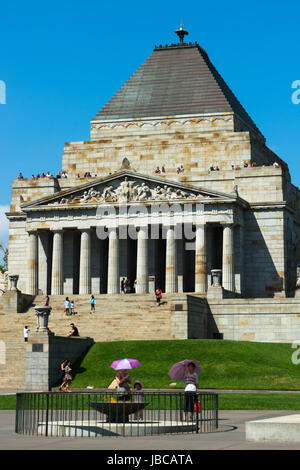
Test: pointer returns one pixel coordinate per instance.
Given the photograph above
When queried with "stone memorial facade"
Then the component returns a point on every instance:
(183, 194)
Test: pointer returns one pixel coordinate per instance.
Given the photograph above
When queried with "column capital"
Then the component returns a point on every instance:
(227, 224)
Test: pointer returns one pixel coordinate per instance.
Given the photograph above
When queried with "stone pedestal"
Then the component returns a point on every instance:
(42, 317)
(216, 291)
(216, 275)
(13, 282)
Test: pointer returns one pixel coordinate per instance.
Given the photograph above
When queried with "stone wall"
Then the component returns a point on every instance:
(14, 301)
(264, 252)
(260, 320)
(189, 318)
(44, 355)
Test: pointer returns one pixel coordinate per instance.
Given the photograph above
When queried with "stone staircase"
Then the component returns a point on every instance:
(117, 318)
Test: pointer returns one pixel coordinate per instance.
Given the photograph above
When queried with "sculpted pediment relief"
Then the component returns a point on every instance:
(128, 190)
(125, 187)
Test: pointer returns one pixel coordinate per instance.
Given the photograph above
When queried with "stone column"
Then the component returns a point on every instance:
(85, 263)
(228, 266)
(180, 256)
(239, 262)
(43, 262)
(68, 262)
(200, 260)
(32, 263)
(113, 276)
(57, 263)
(171, 262)
(142, 285)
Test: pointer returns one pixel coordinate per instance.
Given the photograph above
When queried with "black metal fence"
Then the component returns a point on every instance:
(86, 414)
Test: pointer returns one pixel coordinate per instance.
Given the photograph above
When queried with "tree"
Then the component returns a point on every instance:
(4, 258)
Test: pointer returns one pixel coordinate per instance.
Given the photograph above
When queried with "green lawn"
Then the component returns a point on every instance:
(227, 364)
(259, 401)
(7, 402)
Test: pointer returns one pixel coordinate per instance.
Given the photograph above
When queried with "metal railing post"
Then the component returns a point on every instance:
(47, 414)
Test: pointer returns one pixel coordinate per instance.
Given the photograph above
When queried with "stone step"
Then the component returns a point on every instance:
(117, 318)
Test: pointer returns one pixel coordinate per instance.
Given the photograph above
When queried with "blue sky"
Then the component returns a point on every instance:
(61, 61)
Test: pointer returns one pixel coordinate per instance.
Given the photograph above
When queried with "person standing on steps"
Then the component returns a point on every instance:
(158, 294)
(47, 301)
(93, 304)
(72, 307)
(26, 333)
(67, 306)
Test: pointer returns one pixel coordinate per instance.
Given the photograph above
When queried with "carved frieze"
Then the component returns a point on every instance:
(128, 191)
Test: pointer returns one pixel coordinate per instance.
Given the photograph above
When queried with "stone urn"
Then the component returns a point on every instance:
(13, 282)
(216, 277)
(42, 317)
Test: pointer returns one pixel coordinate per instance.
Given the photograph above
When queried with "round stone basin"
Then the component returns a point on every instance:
(117, 412)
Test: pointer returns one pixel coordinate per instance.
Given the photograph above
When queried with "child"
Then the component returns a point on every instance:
(72, 306)
(67, 306)
(138, 394)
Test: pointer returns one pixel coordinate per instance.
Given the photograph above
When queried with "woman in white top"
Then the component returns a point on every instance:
(190, 391)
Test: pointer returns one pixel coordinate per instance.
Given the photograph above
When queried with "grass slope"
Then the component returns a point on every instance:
(259, 401)
(227, 364)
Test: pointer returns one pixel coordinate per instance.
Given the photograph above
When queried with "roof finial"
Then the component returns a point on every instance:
(181, 33)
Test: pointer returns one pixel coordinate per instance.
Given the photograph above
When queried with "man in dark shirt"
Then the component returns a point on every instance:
(74, 331)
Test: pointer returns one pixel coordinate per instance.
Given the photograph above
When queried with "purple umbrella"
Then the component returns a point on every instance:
(177, 371)
(121, 364)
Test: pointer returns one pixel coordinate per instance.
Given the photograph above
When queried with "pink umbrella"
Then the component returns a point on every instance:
(177, 371)
(121, 364)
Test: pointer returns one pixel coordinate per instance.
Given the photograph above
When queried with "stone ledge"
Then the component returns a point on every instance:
(282, 428)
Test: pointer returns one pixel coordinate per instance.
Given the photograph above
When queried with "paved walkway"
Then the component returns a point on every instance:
(230, 436)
